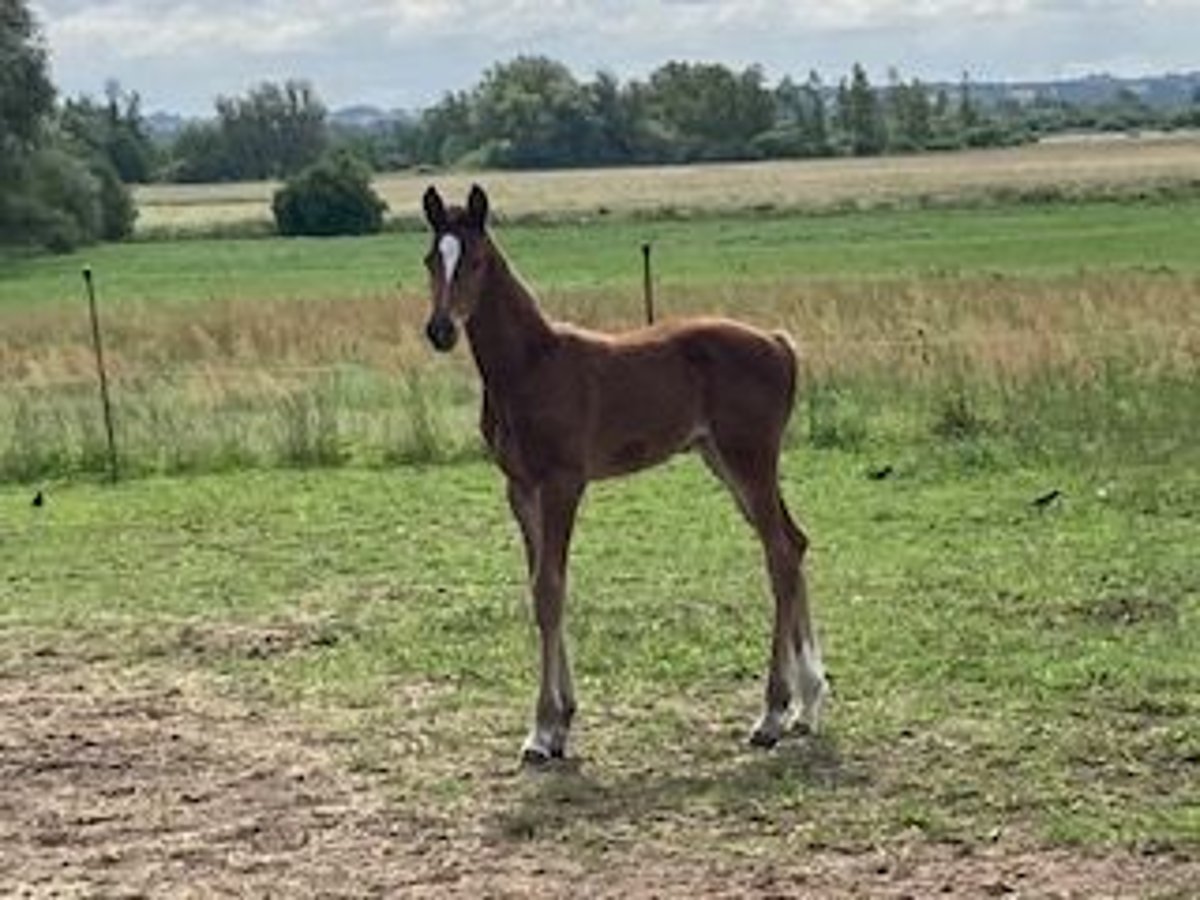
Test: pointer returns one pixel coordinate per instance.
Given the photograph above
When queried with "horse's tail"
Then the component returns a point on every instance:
(792, 358)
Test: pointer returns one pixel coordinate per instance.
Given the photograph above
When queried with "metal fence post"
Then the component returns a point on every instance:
(647, 284)
(105, 402)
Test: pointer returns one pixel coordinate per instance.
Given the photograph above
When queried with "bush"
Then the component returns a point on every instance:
(333, 196)
(117, 209)
(60, 199)
(65, 200)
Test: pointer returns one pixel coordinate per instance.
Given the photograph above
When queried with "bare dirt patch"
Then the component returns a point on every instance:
(115, 784)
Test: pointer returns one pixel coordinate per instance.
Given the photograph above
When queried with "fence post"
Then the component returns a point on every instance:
(105, 403)
(647, 284)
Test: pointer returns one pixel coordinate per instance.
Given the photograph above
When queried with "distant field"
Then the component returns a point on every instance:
(1069, 169)
(741, 253)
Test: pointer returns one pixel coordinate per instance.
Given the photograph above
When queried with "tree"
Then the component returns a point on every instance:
(909, 115)
(26, 97)
(860, 116)
(385, 146)
(713, 112)
(199, 155)
(616, 117)
(801, 121)
(54, 191)
(274, 131)
(816, 120)
(968, 116)
(26, 94)
(114, 130)
(447, 131)
(533, 113)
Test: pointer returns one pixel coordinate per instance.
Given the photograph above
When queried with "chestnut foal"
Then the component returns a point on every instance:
(563, 406)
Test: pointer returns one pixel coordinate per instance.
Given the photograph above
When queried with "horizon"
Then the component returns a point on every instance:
(407, 54)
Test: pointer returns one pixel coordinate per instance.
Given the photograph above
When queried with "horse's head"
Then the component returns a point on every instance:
(457, 262)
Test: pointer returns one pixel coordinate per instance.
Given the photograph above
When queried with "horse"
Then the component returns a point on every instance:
(563, 406)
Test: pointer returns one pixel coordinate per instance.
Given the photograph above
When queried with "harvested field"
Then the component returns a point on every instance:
(1120, 166)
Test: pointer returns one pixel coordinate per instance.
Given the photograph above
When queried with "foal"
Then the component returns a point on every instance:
(563, 406)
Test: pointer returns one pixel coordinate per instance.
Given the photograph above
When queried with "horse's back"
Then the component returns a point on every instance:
(656, 390)
(749, 374)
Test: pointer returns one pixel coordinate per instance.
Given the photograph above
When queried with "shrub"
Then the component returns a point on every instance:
(330, 197)
(61, 199)
(117, 210)
(65, 201)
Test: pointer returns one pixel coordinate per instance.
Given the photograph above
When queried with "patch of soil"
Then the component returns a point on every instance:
(116, 785)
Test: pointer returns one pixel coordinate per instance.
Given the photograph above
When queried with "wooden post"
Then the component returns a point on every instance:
(105, 403)
(647, 284)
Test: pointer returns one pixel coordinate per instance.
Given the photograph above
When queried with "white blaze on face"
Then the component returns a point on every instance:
(450, 247)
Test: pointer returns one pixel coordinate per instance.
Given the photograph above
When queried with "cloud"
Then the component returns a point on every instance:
(140, 29)
(410, 51)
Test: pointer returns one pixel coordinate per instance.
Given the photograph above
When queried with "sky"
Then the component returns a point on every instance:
(179, 55)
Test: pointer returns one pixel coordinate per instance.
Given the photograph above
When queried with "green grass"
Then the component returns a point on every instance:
(1001, 671)
(1029, 239)
(355, 416)
(336, 372)
(998, 668)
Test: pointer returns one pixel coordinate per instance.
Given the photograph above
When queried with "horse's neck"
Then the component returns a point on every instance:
(507, 330)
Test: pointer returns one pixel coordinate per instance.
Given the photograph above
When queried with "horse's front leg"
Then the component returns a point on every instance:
(557, 502)
(523, 500)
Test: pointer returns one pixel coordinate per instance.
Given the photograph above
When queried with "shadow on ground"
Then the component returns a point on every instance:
(568, 794)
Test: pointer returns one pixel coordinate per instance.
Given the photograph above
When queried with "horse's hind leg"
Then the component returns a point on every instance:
(752, 476)
(813, 686)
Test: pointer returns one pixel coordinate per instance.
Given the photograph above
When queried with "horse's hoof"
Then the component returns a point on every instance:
(536, 757)
(763, 739)
(538, 754)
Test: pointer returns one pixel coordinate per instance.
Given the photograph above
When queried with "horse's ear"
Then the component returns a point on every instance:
(435, 209)
(477, 208)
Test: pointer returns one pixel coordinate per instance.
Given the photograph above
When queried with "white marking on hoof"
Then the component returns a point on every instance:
(769, 729)
(534, 757)
(542, 746)
(813, 687)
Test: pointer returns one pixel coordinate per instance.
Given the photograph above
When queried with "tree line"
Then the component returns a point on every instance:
(532, 112)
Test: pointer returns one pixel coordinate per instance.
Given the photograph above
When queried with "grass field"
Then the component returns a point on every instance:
(739, 252)
(1007, 678)
(260, 352)
(305, 668)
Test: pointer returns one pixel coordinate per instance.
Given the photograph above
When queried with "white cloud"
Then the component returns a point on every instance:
(166, 28)
(412, 50)
(140, 29)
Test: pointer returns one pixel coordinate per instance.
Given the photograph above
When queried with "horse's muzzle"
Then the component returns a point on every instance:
(441, 333)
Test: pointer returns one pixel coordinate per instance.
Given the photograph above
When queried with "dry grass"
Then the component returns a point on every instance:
(1001, 327)
(1096, 341)
(1120, 165)
(237, 383)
